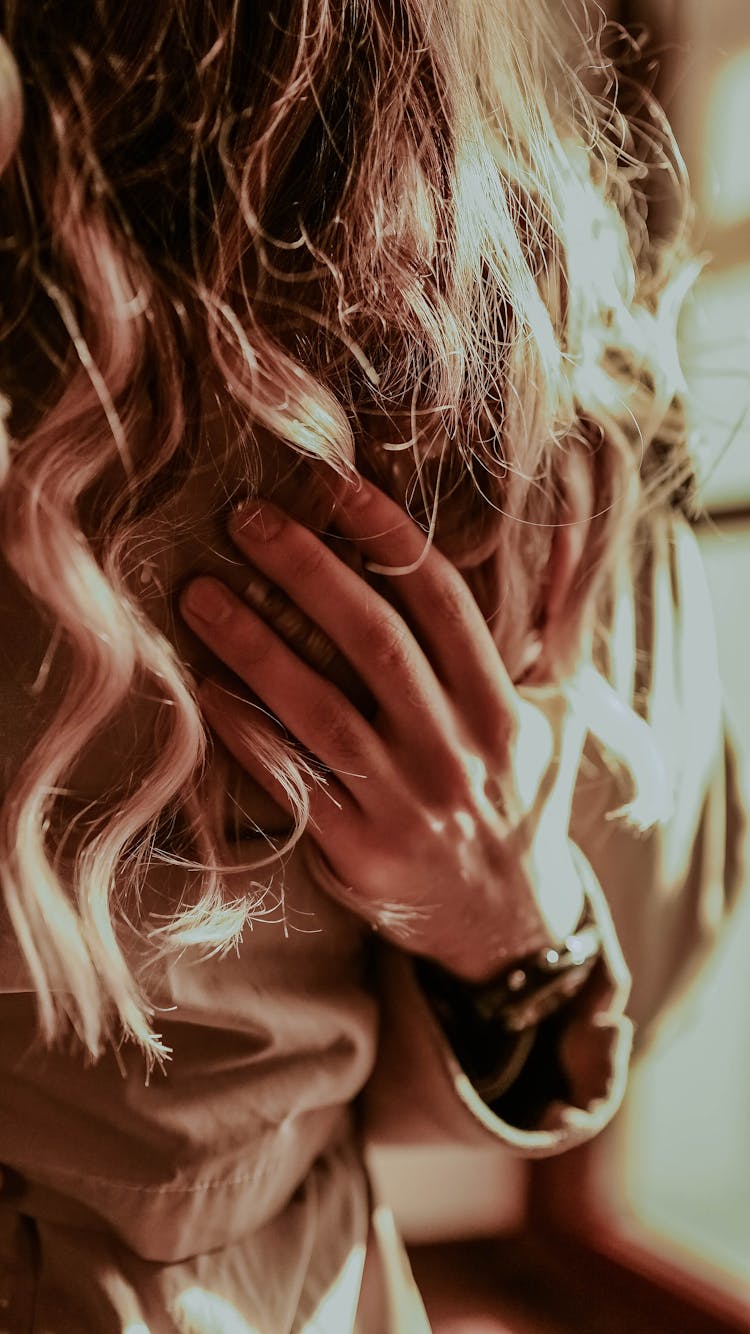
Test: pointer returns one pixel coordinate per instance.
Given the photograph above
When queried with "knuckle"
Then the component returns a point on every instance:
(449, 600)
(307, 559)
(253, 646)
(389, 642)
(331, 722)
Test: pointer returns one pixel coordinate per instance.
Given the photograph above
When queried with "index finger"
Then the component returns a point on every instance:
(451, 626)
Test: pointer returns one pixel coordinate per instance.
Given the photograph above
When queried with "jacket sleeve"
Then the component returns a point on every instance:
(670, 888)
(658, 897)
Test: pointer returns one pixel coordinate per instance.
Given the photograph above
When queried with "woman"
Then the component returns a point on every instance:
(340, 430)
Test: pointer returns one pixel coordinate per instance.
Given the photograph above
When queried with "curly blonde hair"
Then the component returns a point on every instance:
(406, 238)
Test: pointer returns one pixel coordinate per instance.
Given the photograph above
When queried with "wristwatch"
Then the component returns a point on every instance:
(493, 1026)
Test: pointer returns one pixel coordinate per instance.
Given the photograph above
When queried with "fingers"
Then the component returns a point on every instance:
(253, 740)
(461, 646)
(306, 639)
(373, 638)
(458, 651)
(311, 708)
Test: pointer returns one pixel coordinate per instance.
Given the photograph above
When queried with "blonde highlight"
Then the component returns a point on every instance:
(405, 239)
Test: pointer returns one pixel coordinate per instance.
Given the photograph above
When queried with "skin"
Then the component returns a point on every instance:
(443, 820)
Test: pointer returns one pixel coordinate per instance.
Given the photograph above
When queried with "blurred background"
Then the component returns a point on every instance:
(677, 1164)
(648, 1229)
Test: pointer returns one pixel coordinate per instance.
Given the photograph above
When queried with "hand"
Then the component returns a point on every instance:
(443, 820)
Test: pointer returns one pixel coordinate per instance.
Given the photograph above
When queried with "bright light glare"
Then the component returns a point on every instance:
(334, 1311)
(196, 1309)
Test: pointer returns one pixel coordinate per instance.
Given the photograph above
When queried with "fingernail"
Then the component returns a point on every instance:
(259, 521)
(209, 600)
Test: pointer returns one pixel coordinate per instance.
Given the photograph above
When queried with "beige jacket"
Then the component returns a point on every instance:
(227, 1194)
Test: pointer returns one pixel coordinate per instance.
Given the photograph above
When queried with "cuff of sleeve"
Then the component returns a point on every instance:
(566, 1092)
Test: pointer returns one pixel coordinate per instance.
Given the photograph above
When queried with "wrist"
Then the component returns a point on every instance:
(536, 909)
(493, 1026)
